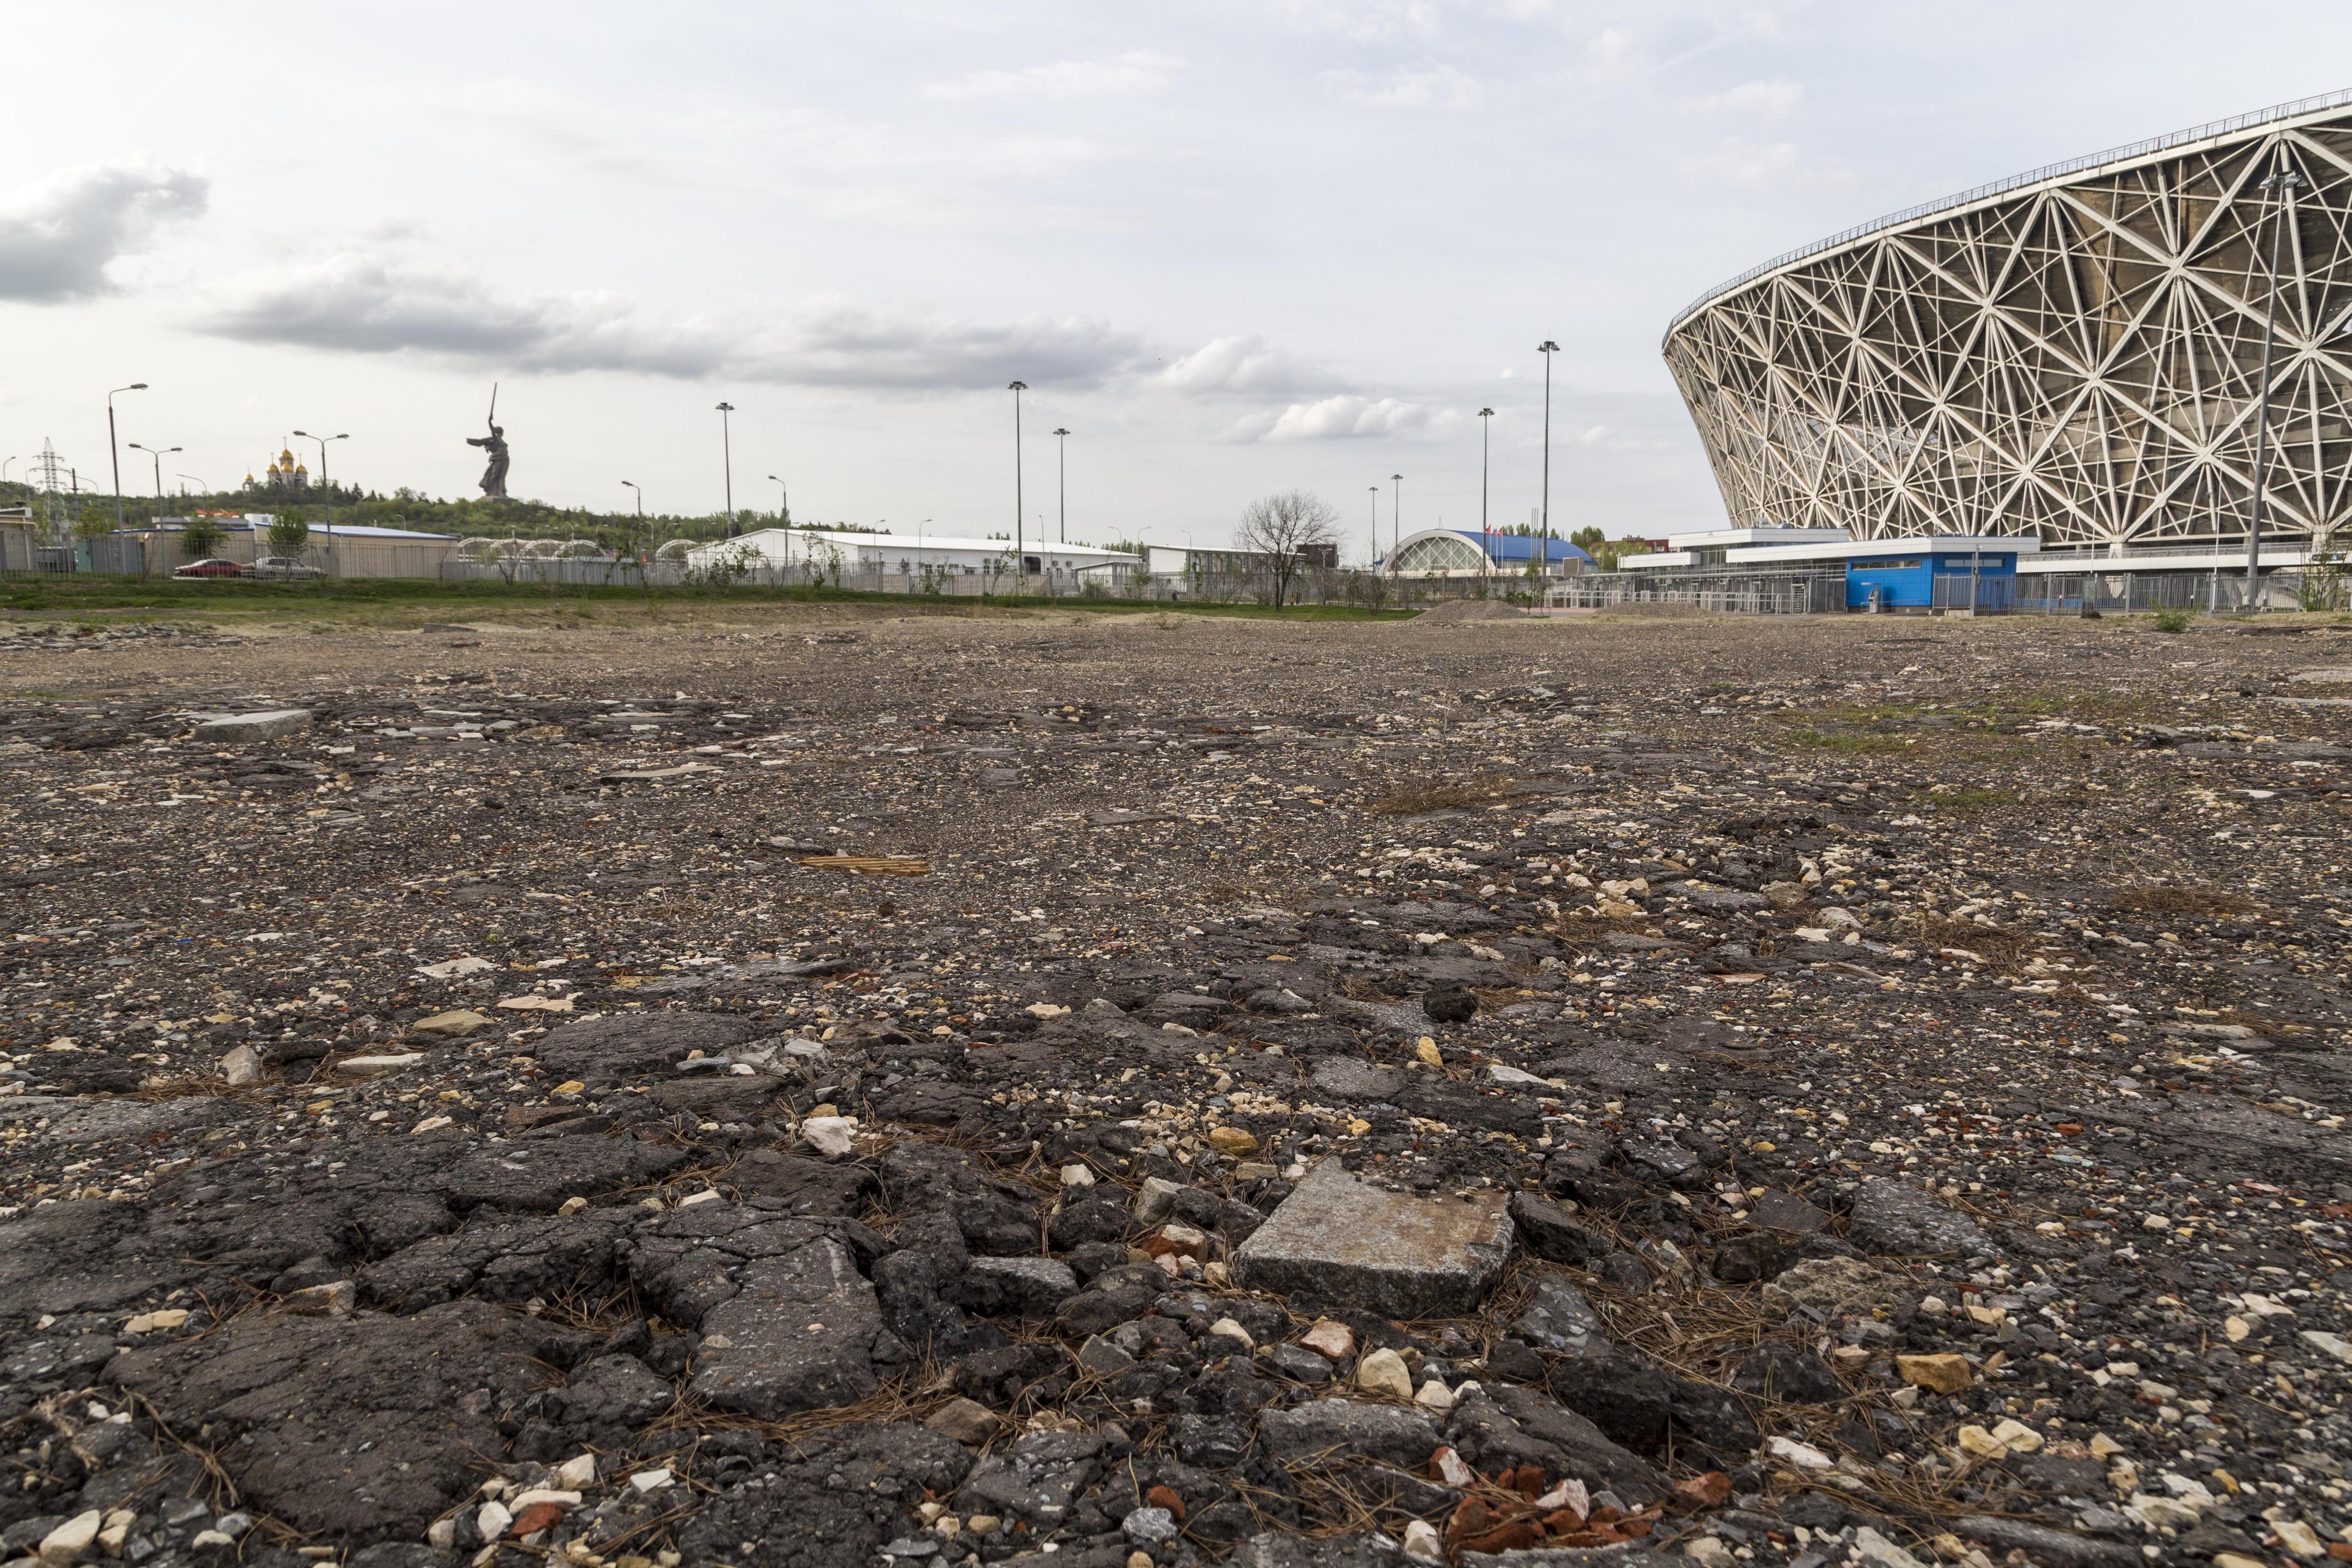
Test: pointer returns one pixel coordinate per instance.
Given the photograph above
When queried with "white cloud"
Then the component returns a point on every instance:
(1129, 75)
(1340, 417)
(57, 237)
(356, 304)
(1431, 87)
(1736, 161)
(1248, 364)
(1769, 100)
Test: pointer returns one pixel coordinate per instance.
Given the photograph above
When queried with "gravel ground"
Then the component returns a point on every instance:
(803, 1092)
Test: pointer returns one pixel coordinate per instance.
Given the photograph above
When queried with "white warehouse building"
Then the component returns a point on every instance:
(906, 554)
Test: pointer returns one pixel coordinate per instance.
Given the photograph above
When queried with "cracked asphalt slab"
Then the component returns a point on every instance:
(815, 1088)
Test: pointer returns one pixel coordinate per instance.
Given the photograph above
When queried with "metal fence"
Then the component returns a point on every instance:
(1730, 592)
(2143, 592)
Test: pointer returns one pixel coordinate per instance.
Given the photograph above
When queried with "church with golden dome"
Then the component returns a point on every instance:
(284, 477)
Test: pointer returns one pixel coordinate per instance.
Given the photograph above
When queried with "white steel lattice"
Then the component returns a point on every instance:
(2077, 355)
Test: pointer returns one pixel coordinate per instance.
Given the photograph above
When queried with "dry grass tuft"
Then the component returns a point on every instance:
(2171, 898)
(1447, 794)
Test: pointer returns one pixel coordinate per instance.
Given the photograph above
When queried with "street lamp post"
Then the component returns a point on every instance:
(1020, 545)
(1485, 463)
(784, 514)
(2284, 182)
(1374, 558)
(632, 484)
(156, 454)
(327, 484)
(134, 387)
(1547, 348)
(1062, 478)
(1396, 520)
(727, 454)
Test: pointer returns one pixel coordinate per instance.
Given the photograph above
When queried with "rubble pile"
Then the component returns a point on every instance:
(1316, 1095)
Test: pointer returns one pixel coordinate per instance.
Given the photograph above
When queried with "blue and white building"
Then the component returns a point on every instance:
(1468, 552)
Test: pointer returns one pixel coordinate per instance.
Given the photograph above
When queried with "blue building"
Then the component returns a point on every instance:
(1920, 574)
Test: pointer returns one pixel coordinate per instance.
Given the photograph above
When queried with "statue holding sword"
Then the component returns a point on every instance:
(494, 477)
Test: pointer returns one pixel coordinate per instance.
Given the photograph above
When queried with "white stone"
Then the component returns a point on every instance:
(2300, 1538)
(646, 1481)
(2162, 1512)
(1077, 1176)
(240, 1066)
(1706, 1549)
(1421, 1542)
(72, 1541)
(1233, 1331)
(1804, 1455)
(2332, 1343)
(536, 1495)
(1382, 1371)
(452, 968)
(493, 1519)
(1435, 1396)
(1869, 1546)
(828, 1135)
(379, 1066)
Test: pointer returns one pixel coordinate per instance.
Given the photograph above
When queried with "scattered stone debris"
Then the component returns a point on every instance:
(1156, 1092)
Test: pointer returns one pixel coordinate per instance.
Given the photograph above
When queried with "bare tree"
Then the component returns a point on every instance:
(1291, 531)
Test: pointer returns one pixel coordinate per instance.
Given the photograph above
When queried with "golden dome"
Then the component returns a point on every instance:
(286, 459)
(300, 468)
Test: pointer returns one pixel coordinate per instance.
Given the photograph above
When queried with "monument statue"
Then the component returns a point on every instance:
(494, 477)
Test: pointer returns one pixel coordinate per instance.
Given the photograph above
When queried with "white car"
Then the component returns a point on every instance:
(282, 569)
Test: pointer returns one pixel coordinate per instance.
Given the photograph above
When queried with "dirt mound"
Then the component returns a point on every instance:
(1455, 610)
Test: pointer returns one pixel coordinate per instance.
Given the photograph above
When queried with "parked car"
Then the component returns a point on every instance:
(211, 566)
(283, 569)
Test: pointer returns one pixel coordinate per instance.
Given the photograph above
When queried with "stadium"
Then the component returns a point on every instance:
(2076, 354)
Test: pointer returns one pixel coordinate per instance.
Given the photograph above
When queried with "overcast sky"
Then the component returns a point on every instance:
(1233, 247)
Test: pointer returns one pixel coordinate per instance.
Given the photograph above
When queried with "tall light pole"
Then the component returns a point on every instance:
(727, 453)
(1547, 348)
(1485, 463)
(1374, 558)
(784, 514)
(2284, 181)
(1020, 545)
(134, 387)
(326, 484)
(1396, 519)
(1062, 464)
(157, 454)
(201, 489)
(632, 484)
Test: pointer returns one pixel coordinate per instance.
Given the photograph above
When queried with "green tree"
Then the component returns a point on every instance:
(93, 524)
(202, 536)
(288, 531)
(1589, 539)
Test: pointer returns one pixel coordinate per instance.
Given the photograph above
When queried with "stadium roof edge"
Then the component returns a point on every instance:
(2130, 152)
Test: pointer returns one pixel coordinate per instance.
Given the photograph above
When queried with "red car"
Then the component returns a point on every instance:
(210, 567)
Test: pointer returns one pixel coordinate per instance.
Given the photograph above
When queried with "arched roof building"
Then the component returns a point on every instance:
(2075, 352)
(1468, 552)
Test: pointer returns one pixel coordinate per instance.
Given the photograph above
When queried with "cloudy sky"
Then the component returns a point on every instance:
(1232, 248)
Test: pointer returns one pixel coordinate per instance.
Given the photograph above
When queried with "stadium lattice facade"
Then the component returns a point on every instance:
(2075, 353)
